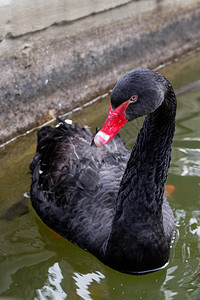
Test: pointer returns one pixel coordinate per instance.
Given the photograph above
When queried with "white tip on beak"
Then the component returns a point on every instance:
(101, 138)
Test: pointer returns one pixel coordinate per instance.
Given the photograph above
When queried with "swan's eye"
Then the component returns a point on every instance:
(133, 98)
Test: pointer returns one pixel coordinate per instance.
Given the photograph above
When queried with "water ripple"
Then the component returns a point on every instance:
(186, 162)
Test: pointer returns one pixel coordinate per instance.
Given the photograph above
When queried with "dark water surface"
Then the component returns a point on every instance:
(37, 264)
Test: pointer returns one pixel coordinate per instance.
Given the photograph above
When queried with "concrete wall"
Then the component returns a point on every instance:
(55, 55)
(27, 16)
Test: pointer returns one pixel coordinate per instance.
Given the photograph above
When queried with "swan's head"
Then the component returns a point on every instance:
(138, 93)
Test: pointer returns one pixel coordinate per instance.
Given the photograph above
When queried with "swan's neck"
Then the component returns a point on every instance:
(138, 213)
(142, 187)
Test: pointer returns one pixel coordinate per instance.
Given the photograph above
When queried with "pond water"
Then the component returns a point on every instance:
(35, 263)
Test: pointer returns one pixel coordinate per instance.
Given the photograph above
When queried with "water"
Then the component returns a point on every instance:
(35, 263)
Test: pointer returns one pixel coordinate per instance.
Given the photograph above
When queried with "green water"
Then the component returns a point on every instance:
(37, 264)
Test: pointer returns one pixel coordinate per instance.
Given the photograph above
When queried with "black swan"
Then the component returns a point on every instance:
(105, 199)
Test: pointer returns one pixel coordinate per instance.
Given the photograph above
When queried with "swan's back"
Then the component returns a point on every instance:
(75, 185)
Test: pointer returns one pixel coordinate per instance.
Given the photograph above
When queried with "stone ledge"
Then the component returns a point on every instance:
(27, 16)
(59, 68)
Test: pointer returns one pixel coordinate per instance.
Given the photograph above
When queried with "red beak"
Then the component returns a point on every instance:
(114, 122)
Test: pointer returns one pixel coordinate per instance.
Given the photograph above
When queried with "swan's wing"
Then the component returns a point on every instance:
(67, 150)
(74, 184)
(168, 219)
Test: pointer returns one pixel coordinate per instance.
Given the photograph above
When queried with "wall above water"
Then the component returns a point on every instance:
(58, 54)
(26, 16)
